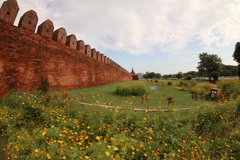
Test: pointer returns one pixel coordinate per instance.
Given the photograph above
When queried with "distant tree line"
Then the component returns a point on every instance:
(227, 70)
(210, 65)
(152, 75)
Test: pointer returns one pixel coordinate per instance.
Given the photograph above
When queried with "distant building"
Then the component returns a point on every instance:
(134, 75)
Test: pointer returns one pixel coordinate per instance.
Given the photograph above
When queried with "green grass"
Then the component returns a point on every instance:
(3, 142)
(104, 95)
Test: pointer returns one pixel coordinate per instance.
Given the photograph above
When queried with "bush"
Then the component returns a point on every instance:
(230, 88)
(187, 84)
(44, 86)
(188, 77)
(133, 88)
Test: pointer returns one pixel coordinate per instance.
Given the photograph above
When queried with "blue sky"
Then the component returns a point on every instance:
(161, 36)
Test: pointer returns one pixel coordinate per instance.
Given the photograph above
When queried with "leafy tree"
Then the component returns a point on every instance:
(193, 73)
(215, 75)
(179, 75)
(152, 75)
(236, 56)
(209, 63)
(188, 77)
(158, 75)
(149, 75)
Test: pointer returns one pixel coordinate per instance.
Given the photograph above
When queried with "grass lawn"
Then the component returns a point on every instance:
(3, 143)
(104, 95)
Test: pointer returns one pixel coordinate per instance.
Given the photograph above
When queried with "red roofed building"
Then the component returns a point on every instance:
(132, 72)
(134, 75)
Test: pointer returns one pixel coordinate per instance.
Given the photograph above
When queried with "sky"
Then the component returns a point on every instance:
(161, 36)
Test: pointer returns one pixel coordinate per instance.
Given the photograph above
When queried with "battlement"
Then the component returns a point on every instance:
(26, 54)
(29, 20)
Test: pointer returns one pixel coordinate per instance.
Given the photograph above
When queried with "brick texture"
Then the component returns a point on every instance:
(25, 57)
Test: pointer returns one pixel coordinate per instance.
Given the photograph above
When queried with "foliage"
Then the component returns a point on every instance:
(70, 131)
(230, 88)
(44, 86)
(236, 53)
(229, 70)
(137, 88)
(179, 75)
(215, 75)
(152, 75)
(187, 84)
(188, 77)
(194, 87)
(209, 63)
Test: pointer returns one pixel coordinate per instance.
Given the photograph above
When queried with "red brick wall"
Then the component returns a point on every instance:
(26, 56)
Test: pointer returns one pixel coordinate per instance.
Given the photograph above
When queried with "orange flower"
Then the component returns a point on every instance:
(184, 141)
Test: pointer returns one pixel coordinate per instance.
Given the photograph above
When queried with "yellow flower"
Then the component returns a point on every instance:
(107, 153)
(98, 138)
(48, 156)
(36, 150)
(145, 154)
(44, 133)
(115, 148)
(86, 157)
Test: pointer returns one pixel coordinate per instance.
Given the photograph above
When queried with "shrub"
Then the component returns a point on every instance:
(187, 84)
(230, 88)
(133, 88)
(188, 77)
(44, 86)
(207, 86)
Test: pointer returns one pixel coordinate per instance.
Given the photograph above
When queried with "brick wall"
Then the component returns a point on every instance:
(26, 57)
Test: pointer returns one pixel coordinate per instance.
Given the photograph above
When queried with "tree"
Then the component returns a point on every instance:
(209, 63)
(236, 56)
(158, 75)
(179, 75)
(188, 77)
(215, 75)
(150, 75)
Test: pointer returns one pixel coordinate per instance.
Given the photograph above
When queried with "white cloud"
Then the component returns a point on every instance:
(139, 26)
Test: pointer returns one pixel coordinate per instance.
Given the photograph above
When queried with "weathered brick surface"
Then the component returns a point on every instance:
(9, 10)
(25, 57)
(46, 29)
(29, 20)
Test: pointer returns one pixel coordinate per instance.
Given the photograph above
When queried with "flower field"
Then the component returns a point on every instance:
(37, 127)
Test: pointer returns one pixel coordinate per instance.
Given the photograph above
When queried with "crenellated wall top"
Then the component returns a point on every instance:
(29, 20)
